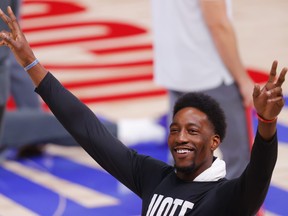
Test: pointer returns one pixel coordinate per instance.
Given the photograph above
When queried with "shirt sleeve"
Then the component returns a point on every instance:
(255, 180)
(88, 131)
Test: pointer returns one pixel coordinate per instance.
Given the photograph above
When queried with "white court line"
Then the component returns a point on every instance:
(73, 153)
(79, 194)
(282, 118)
(11, 208)
(267, 213)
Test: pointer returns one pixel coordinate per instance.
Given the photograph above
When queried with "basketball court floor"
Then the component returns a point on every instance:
(101, 50)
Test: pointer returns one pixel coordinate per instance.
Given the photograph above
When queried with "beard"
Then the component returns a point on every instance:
(186, 169)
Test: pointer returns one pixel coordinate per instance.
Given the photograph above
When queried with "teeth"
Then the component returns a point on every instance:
(182, 151)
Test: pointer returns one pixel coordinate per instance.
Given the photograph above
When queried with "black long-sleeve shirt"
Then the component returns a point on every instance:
(162, 192)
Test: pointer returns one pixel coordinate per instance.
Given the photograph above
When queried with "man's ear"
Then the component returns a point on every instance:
(215, 142)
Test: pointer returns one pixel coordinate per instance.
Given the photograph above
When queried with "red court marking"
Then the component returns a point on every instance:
(100, 82)
(122, 49)
(114, 30)
(10, 105)
(124, 96)
(258, 76)
(250, 126)
(96, 66)
(119, 97)
(54, 8)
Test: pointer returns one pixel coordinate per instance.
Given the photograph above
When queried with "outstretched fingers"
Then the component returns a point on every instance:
(13, 24)
(7, 19)
(273, 72)
(3, 16)
(281, 78)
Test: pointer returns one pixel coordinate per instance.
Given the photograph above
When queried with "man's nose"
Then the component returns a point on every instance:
(182, 136)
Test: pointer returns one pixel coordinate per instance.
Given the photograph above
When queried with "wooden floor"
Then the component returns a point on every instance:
(111, 71)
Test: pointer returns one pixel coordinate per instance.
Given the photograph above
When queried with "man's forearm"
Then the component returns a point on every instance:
(225, 41)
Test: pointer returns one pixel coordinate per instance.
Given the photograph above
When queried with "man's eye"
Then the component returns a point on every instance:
(192, 131)
(173, 130)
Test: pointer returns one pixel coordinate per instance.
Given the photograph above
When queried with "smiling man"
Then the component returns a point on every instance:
(197, 185)
(197, 129)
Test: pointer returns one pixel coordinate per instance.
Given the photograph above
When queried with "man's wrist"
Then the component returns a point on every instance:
(264, 120)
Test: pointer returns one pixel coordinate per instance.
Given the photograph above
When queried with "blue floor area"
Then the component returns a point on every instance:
(277, 201)
(45, 202)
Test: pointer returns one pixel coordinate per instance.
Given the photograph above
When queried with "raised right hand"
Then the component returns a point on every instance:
(15, 39)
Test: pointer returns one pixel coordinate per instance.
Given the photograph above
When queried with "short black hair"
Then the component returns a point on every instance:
(207, 105)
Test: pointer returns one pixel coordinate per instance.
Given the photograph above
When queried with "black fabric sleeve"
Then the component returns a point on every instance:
(255, 180)
(89, 132)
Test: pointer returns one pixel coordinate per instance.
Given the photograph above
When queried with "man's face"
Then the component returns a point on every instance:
(192, 141)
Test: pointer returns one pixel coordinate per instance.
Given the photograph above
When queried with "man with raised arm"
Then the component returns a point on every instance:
(196, 184)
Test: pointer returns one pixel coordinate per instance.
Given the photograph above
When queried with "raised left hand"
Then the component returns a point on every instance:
(269, 100)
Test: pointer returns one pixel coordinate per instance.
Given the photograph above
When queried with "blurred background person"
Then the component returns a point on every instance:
(19, 81)
(4, 69)
(23, 128)
(196, 50)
